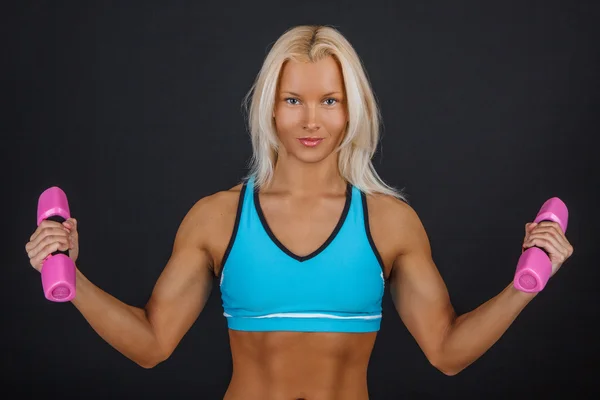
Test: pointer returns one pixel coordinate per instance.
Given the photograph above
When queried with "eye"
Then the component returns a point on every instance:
(291, 100)
(330, 101)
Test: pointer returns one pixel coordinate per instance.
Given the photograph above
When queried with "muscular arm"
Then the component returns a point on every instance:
(149, 335)
(450, 342)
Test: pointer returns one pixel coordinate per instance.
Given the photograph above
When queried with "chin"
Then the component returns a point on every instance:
(312, 156)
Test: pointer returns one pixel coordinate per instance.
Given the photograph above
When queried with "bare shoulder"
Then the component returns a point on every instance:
(210, 221)
(395, 226)
(216, 205)
(388, 206)
(391, 213)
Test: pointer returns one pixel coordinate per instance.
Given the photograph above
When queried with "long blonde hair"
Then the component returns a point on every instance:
(310, 44)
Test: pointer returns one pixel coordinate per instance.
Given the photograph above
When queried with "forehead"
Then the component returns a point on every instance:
(302, 77)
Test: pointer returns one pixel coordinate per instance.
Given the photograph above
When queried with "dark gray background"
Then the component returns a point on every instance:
(134, 109)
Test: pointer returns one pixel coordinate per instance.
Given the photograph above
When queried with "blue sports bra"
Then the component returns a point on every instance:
(266, 287)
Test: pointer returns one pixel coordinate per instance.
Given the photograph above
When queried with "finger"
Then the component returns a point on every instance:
(54, 231)
(71, 224)
(529, 227)
(544, 244)
(553, 225)
(561, 238)
(50, 241)
(554, 230)
(44, 225)
(45, 252)
(548, 242)
(54, 240)
(43, 235)
(72, 241)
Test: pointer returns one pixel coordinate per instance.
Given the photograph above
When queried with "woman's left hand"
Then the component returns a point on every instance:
(548, 236)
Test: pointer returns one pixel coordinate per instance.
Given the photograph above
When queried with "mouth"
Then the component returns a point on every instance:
(310, 141)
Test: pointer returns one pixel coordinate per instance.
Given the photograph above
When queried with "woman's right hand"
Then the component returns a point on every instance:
(51, 236)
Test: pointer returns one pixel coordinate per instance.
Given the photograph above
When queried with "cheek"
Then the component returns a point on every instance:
(287, 120)
(335, 122)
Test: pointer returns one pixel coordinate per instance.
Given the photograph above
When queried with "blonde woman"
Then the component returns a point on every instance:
(303, 248)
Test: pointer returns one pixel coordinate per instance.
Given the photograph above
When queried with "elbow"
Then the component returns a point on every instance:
(150, 363)
(153, 360)
(445, 367)
(147, 365)
(449, 372)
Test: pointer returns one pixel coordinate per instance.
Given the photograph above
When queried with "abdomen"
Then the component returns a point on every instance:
(293, 365)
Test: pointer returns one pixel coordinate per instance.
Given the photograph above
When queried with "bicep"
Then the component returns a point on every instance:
(419, 292)
(182, 288)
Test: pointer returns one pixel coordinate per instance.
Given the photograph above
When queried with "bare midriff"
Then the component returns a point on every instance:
(299, 365)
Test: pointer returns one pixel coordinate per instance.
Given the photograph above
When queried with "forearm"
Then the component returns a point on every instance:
(124, 327)
(473, 333)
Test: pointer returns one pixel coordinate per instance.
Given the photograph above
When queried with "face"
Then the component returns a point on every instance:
(310, 110)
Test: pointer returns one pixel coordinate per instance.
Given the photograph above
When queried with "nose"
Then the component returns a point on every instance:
(311, 123)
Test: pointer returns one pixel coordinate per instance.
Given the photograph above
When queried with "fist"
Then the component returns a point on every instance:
(547, 235)
(51, 236)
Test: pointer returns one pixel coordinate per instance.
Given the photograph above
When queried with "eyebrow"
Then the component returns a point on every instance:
(297, 95)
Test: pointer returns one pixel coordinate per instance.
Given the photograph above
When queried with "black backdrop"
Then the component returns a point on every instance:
(133, 108)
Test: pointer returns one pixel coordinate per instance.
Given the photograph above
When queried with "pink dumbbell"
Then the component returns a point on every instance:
(58, 270)
(534, 267)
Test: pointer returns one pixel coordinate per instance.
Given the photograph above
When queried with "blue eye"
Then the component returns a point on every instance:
(290, 99)
(330, 101)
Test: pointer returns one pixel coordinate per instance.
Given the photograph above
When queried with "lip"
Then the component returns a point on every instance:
(310, 141)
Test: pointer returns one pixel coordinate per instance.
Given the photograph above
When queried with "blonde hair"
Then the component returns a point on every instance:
(313, 43)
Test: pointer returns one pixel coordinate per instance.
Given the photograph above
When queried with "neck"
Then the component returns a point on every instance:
(299, 178)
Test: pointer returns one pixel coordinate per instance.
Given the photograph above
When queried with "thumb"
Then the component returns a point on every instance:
(70, 223)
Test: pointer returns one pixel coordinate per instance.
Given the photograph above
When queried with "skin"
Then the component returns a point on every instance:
(307, 193)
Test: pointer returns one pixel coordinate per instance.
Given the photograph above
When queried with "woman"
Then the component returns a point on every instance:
(303, 247)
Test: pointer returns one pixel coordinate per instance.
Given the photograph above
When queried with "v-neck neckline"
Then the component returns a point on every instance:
(323, 246)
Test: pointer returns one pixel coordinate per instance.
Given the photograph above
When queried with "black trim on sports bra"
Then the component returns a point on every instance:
(368, 229)
(235, 228)
(337, 228)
